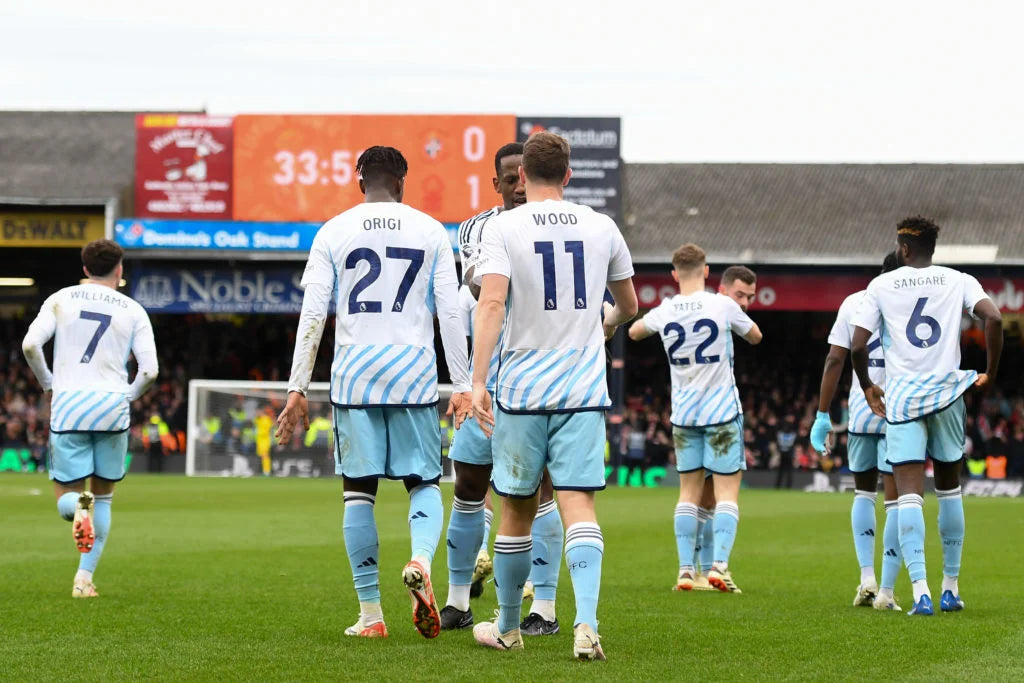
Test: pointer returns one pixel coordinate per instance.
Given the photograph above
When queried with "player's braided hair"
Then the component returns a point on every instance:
(919, 233)
(377, 162)
(509, 150)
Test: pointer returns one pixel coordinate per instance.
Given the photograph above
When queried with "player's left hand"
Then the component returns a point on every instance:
(982, 380)
(482, 409)
(874, 396)
(296, 409)
(819, 431)
(460, 407)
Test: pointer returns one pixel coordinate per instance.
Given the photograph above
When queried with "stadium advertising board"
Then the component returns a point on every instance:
(149, 233)
(302, 167)
(213, 290)
(142, 233)
(50, 229)
(596, 178)
(183, 166)
(814, 292)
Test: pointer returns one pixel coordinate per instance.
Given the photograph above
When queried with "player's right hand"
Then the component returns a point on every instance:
(874, 396)
(296, 409)
(819, 431)
(460, 407)
(982, 380)
(482, 409)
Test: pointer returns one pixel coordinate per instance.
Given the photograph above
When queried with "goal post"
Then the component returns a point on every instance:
(231, 425)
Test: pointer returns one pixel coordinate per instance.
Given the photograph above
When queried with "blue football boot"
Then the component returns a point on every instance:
(950, 602)
(923, 607)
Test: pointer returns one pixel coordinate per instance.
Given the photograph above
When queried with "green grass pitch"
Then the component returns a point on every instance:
(248, 580)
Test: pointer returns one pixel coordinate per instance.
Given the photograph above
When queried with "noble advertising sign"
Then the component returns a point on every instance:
(183, 166)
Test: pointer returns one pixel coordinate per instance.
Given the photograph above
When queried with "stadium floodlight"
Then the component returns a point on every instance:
(231, 423)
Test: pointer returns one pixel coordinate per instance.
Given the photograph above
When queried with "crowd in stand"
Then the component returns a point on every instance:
(780, 398)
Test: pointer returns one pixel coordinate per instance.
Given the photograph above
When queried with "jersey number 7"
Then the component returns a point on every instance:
(104, 324)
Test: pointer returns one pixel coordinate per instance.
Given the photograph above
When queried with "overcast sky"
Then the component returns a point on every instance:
(777, 80)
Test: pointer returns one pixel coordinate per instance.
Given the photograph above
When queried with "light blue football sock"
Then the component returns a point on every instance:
(547, 533)
(512, 555)
(706, 539)
(686, 524)
(488, 519)
(426, 517)
(465, 528)
(891, 555)
(912, 535)
(100, 527)
(66, 505)
(584, 550)
(727, 518)
(951, 529)
(361, 545)
(862, 518)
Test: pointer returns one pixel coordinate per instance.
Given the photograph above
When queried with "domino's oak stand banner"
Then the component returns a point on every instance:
(183, 166)
(151, 233)
(142, 233)
(218, 290)
(596, 176)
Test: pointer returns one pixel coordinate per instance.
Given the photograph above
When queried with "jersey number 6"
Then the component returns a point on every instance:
(918, 318)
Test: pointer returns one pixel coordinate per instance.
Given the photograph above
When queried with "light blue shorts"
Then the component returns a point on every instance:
(470, 445)
(570, 445)
(77, 455)
(939, 435)
(867, 452)
(396, 443)
(717, 449)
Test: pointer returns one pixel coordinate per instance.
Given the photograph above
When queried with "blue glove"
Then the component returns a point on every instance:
(819, 430)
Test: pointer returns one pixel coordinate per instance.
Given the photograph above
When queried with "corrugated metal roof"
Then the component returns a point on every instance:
(817, 213)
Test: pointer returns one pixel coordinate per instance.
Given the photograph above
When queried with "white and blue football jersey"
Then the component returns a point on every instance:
(392, 269)
(862, 420)
(697, 330)
(918, 312)
(468, 304)
(95, 329)
(559, 257)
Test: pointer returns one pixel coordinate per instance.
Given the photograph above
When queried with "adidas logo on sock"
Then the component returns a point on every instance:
(868, 532)
(890, 552)
(539, 562)
(451, 545)
(419, 514)
(368, 562)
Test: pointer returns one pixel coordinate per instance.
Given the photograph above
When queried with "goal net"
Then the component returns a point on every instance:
(231, 426)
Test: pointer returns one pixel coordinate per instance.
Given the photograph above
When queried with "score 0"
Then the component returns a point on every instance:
(474, 145)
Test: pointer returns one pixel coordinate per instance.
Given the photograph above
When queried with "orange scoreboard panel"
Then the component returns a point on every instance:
(301, 168)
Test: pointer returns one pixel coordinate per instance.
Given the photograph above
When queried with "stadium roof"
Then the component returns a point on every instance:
(828, 214)
(67, 157)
